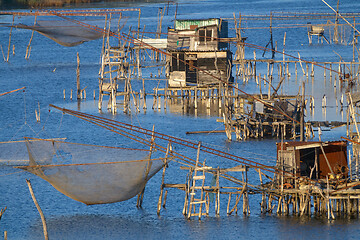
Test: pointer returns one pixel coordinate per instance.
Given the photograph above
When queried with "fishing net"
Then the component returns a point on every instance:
(65, 33)
(92, 174)
(13, 153)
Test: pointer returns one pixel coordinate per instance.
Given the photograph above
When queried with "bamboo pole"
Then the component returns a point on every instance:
(28, 48)
(8, 52)
(218, 192)
(187, 192)
(284, 47)
(2, 212)
(39, 209)
(2, 51)
(302, 112)
(228, 205)
(103, 41)
(162, 180)
(301, 64)
(141, 194)
(78, 89)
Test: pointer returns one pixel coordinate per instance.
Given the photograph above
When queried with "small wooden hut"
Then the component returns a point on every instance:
(199, 68)
(257, 120)
(315, 160)
(198, 35)
(199, 53)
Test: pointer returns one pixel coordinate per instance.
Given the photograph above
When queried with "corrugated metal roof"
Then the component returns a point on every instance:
(185, 24)
(200, 51)
(156, 43)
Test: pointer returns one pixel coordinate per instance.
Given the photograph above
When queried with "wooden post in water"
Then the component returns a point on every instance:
(195, 97)
(103, 42)
(163, 179)
(78, 90)
(353, 43)
(269, 89)
(307, 70)
(8, 52)
(301, 64)
(28, 48)
(254, 69)
(159, 27)
(330, 72)
(37, 114)
(144, 94)
(312, 74)
(2, 51)
(1, 213)
(39, 209)
(217, 208)
(302, 112)
(141, 194)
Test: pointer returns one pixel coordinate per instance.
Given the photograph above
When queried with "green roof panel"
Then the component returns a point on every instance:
(185, 24)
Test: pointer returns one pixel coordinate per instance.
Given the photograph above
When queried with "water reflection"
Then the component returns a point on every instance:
(95, 227)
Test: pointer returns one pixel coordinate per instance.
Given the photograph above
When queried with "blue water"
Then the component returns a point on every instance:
(52, 68)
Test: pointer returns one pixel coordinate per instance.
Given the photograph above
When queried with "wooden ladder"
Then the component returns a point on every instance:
(114, 68)
(197, 190)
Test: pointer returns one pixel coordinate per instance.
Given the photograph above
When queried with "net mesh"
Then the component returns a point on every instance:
(13, 153)
(92, 174)
(63, 32)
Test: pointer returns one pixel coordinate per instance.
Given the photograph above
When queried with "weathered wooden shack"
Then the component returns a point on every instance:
(199, 56)
(315, 160)
(255, 119)
(199, 68)
(198, 35)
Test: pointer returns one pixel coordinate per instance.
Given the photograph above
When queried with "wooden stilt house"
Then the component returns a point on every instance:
(199, 53)
(315, 160)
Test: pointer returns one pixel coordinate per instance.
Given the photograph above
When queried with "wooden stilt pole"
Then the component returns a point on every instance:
(2, 212)
(163, 179)
(28, 48)
(39, 209)
(141, 194)
(78, 89)
(8, 52)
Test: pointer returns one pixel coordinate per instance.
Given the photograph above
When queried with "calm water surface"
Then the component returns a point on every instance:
(52, 68)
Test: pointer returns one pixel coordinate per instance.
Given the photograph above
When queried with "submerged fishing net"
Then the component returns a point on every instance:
(91, 174)
(63, 32)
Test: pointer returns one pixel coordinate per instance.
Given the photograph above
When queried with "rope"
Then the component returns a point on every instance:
(115, 126)
(81, 144)
(12, 173)
(86, 164)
